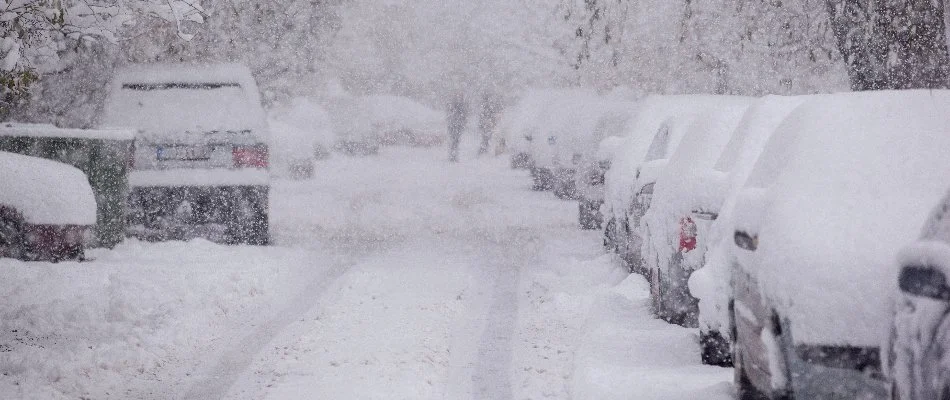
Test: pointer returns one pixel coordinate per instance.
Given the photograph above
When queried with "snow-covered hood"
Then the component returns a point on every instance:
(46, 192)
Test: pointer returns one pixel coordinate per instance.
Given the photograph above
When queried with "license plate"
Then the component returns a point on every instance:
(183, 153)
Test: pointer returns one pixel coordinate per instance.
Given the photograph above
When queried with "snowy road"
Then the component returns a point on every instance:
(394, 277)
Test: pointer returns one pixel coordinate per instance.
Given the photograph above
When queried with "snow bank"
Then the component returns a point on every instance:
(168, 99)
(45, 191)
(710, 284)
(689, 183)
(845, 203)
(133, 323)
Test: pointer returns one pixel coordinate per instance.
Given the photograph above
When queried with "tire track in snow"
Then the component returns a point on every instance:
(214, 382)
(482, 347)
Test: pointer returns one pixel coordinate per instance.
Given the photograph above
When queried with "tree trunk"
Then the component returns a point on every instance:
(891, 44)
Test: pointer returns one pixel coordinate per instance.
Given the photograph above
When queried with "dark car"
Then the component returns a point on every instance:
(46, 208)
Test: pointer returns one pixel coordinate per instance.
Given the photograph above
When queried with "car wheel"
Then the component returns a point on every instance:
(656, 294)
(610, 243)
(11, 238)
(715, 349)
(586, 215)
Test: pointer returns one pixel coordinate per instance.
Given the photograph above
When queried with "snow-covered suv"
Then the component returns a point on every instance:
(200, 162)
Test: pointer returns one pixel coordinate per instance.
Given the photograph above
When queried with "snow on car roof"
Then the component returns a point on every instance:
(685, 183)
(16, 129)
(527, 114)
(167, 99)
(860, 183)
(651, 113)
(46, 191)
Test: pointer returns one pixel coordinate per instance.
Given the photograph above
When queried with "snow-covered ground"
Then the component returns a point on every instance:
(393, 277)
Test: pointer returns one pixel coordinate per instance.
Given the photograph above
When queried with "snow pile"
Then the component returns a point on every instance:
(45, 191)
(710, 284)
(625, 352)
(844, 205)
(168, 99)
(688, 183)
(134, 320)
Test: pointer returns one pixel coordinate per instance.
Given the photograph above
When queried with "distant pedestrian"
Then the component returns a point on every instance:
(487, 121)
(456, 118)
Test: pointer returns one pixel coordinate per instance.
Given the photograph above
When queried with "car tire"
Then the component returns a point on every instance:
(587, 215)
(715, 349)
(11, 239)
(610, 242)
(656, 296)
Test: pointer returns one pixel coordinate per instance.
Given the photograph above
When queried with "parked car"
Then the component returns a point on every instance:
(857, 179)
(589, 183)
(567, 112)
(352, 129)
(200, 162)
(400, 120)
(46, 209)
(657, 127)
(711, 284)
(917, 365)
(578, 139)
(685, 201)
(290, 155)
(521, 127)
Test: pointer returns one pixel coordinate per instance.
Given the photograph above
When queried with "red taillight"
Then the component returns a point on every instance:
(687, 234)
(250, 156)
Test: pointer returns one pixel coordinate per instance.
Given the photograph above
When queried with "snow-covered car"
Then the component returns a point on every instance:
(353, 129)
(400, 120)
(685, 200)
(657, 127)
(521, 128)
(46, 208)
(915, 353)
(589, 183)
(711, 284)
(595, 121)
(567, 126)
(200, 162)
(300, 133)
(859, 173)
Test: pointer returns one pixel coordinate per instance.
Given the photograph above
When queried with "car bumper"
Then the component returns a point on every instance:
(188, 212)
(198, 177)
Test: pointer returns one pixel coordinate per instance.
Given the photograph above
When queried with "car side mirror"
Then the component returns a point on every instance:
(924, 282)
(746, 242)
